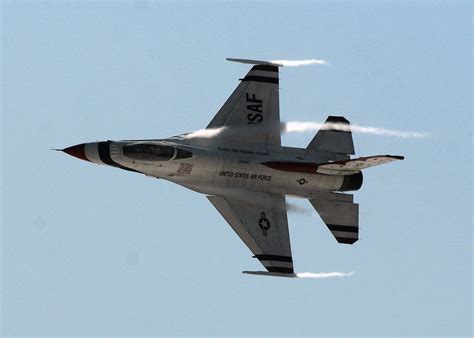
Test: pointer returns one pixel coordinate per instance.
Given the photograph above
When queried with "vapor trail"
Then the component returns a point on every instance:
(294, 208)
(319, 275)
(205, 133)
(301, 127)
(297, 63)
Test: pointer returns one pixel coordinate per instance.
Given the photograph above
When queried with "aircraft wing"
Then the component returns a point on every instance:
(260, 221)
(252, 113)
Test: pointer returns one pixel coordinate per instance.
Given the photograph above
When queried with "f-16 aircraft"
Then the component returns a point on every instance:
(238, 162)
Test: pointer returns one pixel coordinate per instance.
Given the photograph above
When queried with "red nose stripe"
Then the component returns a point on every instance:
(77, 151)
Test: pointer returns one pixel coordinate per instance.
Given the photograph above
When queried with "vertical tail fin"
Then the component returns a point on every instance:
(334, 137)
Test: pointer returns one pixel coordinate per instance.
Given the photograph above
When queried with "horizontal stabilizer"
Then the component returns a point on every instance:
(272, 274)
(340, 214)
(349, 167)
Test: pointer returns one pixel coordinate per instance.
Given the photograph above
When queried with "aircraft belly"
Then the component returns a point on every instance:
(196, 174)
(256, 177)
(215, 174)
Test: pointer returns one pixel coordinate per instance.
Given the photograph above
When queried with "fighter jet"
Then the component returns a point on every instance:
(238, 162)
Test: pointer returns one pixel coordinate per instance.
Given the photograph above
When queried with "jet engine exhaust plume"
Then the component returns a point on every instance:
(301, 127)
(297, 63)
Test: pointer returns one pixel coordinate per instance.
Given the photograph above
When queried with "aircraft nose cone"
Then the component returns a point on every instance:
(77, 151)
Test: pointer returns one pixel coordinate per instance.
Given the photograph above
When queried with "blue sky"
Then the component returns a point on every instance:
(90, 250)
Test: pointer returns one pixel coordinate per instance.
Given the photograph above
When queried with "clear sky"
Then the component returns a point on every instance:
(89, 250)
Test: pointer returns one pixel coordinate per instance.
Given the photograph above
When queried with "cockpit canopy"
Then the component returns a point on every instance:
(154, 152)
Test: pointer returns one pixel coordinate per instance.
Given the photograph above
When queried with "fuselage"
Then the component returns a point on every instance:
(213, 169)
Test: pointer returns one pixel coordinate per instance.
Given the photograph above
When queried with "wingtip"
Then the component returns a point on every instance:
(271, 274)
(254, 62)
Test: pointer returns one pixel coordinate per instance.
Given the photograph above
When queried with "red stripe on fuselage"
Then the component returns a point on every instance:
(309, 168)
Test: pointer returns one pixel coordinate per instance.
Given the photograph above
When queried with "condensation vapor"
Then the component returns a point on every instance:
(296, 209)
(320, 275)
(297, 63)
(301, 127)
(205, 133)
